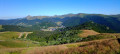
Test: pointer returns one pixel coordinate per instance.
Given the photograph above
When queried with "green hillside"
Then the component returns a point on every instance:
(8, 35)
(13, 28)
(91, 26)
(68, 34)
(11, 40)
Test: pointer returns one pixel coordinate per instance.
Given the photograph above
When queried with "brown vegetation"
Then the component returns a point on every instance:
(87, 33)
(110, 46)
(47, 50)
(10, 50)
(104, 46)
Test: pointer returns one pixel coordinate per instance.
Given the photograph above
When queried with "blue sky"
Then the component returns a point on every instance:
(10, 9)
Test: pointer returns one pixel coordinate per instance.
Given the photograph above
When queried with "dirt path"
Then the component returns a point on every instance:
(26, 34)
(22, 33)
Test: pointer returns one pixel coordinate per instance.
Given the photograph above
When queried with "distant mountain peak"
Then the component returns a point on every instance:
(28, 16)
(36, 17)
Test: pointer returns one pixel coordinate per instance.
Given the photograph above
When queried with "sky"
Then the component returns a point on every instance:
(11, 9)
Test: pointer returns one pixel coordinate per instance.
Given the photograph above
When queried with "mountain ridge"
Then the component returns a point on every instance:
(112, 21)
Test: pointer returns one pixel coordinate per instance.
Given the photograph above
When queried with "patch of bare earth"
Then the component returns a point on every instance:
(87, 33)
(21, 34)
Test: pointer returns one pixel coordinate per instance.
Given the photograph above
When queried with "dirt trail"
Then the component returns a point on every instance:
(22, 33)
(87, 33)
(26, 34)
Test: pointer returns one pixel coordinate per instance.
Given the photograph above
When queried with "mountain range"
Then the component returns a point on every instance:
(67, 20)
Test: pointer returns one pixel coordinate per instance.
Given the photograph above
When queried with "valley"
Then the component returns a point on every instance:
(59, 26)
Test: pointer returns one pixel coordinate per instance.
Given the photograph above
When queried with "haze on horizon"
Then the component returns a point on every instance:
(10, 9)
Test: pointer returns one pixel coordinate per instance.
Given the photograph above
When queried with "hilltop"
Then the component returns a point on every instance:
(91, 26)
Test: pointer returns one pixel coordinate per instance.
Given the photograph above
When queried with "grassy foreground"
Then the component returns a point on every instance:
(104, 46)
(104, 43)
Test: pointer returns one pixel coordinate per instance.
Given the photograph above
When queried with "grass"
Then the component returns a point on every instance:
(12, 44)
(17, 44)
(1, 27)
(11, 50)
(10, 40)
(72, 45)
(107, 45)
(110, 46)
(103, 46)
(9, 35)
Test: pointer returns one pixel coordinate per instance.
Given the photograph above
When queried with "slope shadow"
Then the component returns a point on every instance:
(118, 39)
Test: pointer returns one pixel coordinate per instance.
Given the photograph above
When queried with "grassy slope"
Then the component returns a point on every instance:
(91, 26)
(102, 46)
(8, 35)
(107, 46)
(110, 44)
(9, 40)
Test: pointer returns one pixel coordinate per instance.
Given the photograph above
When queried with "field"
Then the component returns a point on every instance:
(11, 44)
(8, 35)
(11, 40)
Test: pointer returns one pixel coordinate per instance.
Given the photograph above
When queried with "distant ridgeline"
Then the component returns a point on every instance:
(43, 22)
